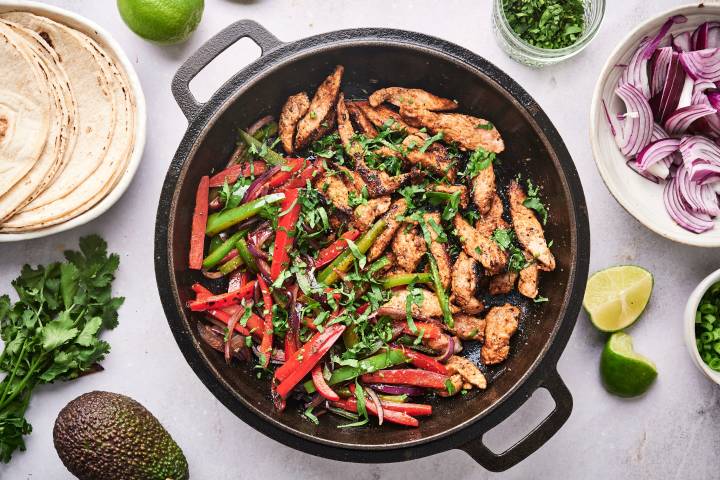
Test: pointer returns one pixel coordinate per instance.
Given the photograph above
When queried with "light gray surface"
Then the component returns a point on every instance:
(672, 432)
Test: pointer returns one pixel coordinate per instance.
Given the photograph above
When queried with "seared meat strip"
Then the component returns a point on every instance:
(320, 116)
(451, 189)
(528, 228)
(379, 117)
(467, 370)
(409, 247)
(500, 324)
(367, 213)
(484, 190)
(294, 109)
(361, 120)
(397, 209)
(438, 249)
(468, 327)
(464, 284)
(379, 183)
(480, 247)
(528, 282)
(428, 308)
(435, 158)
(335, 191)
(457, 384)
(502, 283)
(345, 128)
(470, 133)
(416, 97)
(492, 220)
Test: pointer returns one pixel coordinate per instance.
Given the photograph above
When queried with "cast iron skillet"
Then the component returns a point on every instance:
(374, 58)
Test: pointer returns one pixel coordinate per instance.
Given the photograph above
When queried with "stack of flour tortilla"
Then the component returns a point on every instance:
(67, 122)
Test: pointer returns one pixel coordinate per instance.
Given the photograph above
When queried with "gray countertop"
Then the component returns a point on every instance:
(672, 432)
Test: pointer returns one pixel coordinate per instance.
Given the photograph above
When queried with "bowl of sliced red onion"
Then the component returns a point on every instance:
(655, 124)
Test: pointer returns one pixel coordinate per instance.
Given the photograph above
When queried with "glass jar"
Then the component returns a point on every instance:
(523, 52)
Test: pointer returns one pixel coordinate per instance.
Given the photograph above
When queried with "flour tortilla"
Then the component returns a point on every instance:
(61, 131)
(25, 109)
(90, 84)
(108, 173)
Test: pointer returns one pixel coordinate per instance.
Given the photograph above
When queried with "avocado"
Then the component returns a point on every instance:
(108, 436)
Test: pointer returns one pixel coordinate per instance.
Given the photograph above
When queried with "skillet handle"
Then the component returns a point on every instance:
(209, 51)
(499, 462)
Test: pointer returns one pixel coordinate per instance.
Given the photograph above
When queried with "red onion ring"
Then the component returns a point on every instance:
(376, 400)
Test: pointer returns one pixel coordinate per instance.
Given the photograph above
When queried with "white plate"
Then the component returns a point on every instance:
(103, 38)
(640, 197)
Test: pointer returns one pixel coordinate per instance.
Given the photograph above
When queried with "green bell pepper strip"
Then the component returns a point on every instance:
(215, 242)
(220, 252)
(405, 279)
(231, 265)
(244, 253)
(440, 291)
(372, 364)
(343, 262)
(217, 222)
(270, 156)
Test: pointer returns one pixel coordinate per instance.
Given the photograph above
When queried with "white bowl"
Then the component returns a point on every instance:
(640, 197)
(103, 38)
(689, 320)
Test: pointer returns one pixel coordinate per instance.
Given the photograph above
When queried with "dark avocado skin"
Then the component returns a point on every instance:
(108, 436)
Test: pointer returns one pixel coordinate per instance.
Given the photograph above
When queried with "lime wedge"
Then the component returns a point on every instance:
(616, 297)
(624, 372)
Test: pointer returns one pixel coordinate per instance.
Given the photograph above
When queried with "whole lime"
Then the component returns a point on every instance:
(162, 21)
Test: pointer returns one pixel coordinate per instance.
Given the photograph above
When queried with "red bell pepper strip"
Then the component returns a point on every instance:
(330, 253)
(284, 238)
(267, 331)
(254, 323)
(407, 376)
(300, 180)
(300, 364)
(422, 361)
(392, 416)
(292, 165)
(233, 172)
(224, 299)
(430, 331)
(199, 223)
(321, 385)
(415, 409)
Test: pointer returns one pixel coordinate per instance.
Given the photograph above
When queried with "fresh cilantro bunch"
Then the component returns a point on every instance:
(51, 332)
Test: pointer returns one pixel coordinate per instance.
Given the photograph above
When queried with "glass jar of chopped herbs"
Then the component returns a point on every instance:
(544, 32)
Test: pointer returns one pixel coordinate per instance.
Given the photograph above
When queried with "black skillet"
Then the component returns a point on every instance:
(375, 58)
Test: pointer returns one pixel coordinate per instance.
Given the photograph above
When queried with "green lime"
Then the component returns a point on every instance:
(616, 297)
(623, 371)
(162, 21)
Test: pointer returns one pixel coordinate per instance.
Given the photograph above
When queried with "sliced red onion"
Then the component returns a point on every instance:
(696, 197)
(611, 123)
(632, 164)
(658, 133)
(681, 214)
(259, 186)
(636, 73)
(656, 151)
(713, 35)
(661, 63)
(699, 37)
(661, 169)
(667, 101)
(653, 44)
(682, 118)
(255, 127)
(682, 42)
(398, 390)
(693, 148)
(705, 173)
(702, 64)
(211, 275)
(378, 406)
(636, 129)
(449, 351)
